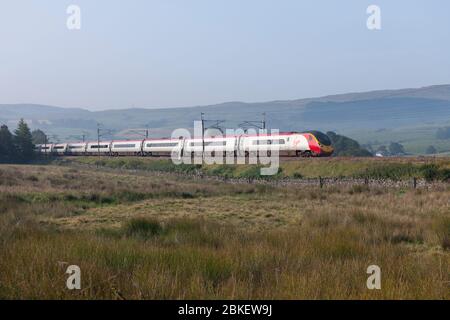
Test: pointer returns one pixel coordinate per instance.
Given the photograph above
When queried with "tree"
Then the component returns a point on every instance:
(7, 150)
(344, 146)
(396, 148)
(39, 137)
(431, 150)
(368, 147)
(24, 142)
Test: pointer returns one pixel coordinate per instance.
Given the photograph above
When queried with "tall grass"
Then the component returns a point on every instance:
(198, 260)
(174, 238)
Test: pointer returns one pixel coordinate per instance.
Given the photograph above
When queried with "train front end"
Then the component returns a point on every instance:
(319, 144)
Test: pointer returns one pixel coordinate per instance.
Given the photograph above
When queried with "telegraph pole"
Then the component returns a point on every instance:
(259, 124)
(216, 125)
(101, 133)
(45, 143)
(263, 122)
(98, 139)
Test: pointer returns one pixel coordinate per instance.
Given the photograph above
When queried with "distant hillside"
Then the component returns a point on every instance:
(369, 117)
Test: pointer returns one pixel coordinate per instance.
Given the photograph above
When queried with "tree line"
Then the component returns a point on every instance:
(18, 147)
(346, 147)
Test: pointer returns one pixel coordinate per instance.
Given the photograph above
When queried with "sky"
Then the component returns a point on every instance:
(172, 53)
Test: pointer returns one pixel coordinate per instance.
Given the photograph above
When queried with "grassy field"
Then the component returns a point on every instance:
(142, 235)
(415, 139)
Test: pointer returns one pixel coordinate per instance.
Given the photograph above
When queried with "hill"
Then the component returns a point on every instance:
(409, 116)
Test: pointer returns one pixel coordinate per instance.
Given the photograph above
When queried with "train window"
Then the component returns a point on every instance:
(58, 147)
(261, 142)
(215, 143)
(102, 146)
(267, 142)
(129, 145)
(75, 147)
(162, 144)
(208, 143)
(196, 144)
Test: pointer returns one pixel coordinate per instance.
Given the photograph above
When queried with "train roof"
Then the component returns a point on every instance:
(314, 132)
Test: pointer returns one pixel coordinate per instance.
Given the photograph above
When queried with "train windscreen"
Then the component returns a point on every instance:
(322, 138)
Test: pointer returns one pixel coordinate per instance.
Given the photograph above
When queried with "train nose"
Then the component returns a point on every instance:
(326, 150)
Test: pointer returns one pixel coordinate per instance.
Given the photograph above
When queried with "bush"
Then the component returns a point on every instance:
(131, 196)
(445, 175)
(344, 146)
(430, 172)
(223, 171)
(142, 228)
(393, 171)
(297, 175)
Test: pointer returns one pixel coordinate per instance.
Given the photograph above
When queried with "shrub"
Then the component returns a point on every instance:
(393, 171)
(223, 171)
(142, 228)
(131, 196)
(297, 175)
(445, 174)
(430, 172)
(187, 195)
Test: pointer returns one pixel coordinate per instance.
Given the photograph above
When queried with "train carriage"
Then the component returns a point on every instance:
(162, 147)
(77, 149)
(305, 144)
(267, 144)
(44, 148)
(60, 148)
(95, 148)
(213, 146)
(126, 147)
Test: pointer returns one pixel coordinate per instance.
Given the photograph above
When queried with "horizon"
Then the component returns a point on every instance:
(225, 102)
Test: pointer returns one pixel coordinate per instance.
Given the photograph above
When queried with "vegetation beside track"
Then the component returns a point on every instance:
(430, 169)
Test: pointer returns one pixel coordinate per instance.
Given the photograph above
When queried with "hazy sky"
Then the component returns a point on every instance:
(167, 53)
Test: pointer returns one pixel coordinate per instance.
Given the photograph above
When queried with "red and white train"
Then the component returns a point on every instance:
(306, 144)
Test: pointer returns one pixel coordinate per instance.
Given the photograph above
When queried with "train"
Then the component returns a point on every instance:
(296, 144)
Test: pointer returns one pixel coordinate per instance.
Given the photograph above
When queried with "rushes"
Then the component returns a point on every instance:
(151, 260)
(442, 227)
(145, 237)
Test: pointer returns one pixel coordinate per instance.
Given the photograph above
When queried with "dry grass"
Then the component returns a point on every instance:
(143, 236)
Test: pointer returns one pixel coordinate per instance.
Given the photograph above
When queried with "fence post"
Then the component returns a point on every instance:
(414, 182)
(320, 182)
